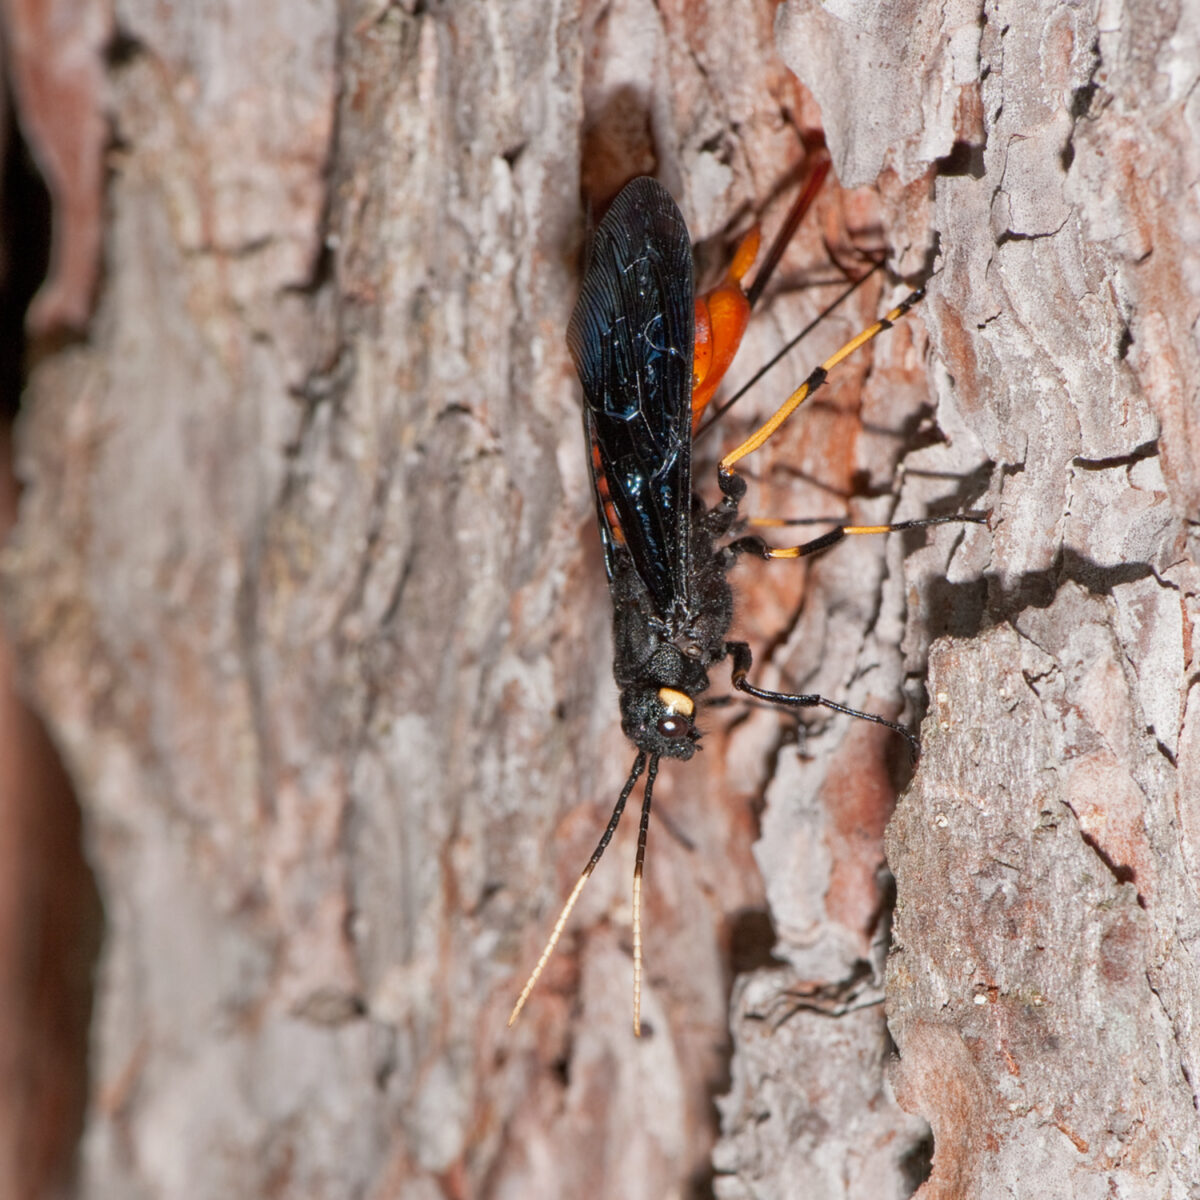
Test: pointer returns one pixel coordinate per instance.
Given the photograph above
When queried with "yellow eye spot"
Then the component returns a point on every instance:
(677, 702)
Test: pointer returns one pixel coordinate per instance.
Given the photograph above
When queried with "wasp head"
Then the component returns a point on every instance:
(659, 721)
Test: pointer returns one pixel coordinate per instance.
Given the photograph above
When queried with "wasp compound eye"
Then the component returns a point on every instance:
(673, 726)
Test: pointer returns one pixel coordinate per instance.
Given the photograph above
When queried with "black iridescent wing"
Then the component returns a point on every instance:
(631, 336)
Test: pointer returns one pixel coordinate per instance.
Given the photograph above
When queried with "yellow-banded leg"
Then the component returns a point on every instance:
(733, 488)
(811, 384)
(756, 546)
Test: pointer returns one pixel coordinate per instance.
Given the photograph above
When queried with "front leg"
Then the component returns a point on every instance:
(742, 660)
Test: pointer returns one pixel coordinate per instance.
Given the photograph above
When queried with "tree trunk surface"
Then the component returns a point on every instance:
(306, 583)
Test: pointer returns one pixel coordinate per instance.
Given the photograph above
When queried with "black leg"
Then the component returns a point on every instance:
(739, 652)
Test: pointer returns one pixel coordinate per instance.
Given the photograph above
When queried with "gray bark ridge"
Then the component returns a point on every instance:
(1043, 987)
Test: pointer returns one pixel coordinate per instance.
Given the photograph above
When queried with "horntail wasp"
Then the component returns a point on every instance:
(650, 356)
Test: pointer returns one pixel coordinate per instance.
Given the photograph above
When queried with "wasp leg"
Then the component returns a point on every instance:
(759, 548)
(810, 385)
(723, 313)
(787, 231)
(739, 652)
(722, 408)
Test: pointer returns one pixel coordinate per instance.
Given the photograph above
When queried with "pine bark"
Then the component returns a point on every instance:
(306, 583)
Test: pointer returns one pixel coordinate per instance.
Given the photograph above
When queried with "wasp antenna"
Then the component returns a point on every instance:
(639, 765)
(638, 863)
